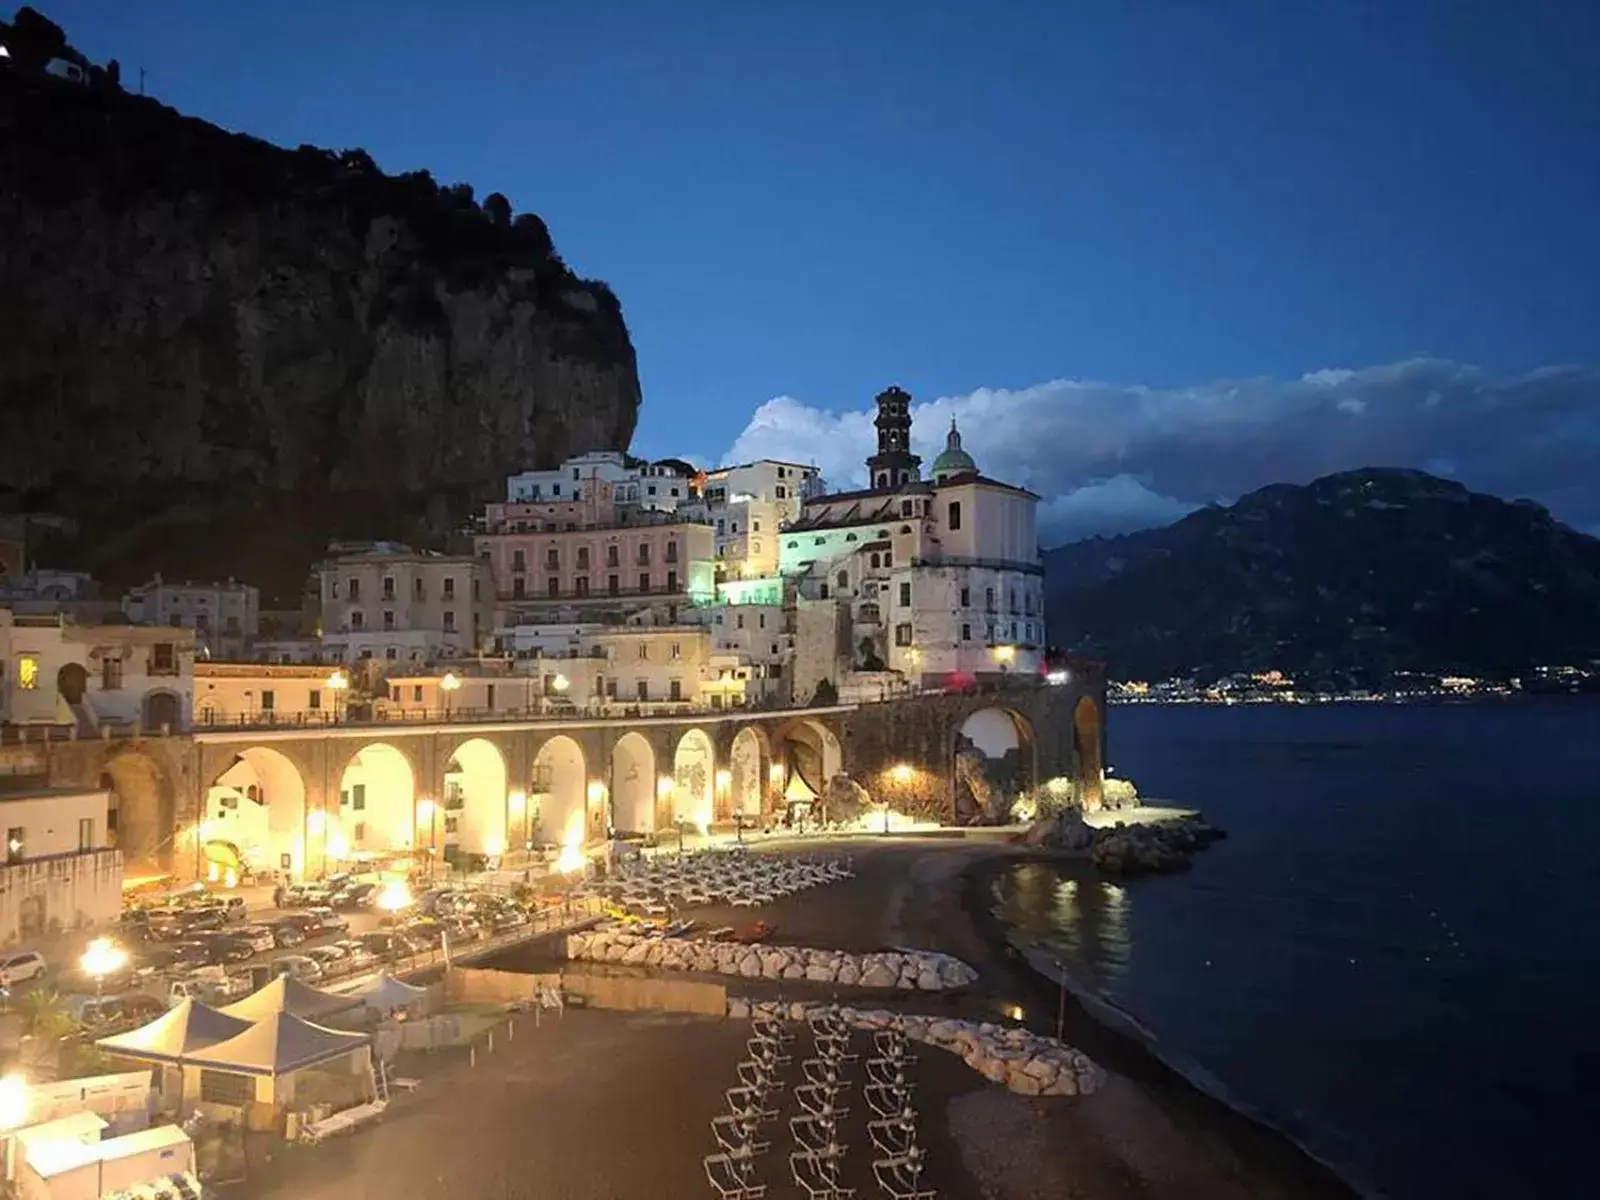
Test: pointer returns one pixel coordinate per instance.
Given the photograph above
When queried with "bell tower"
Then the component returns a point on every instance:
(893, 464)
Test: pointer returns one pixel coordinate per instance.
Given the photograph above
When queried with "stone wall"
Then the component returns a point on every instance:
(907, 970)
(69, 891)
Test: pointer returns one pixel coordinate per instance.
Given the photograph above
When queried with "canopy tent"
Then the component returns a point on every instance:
(798, 791)
(176, 1034)
(277, 1045)
(386, 993)
(287, 994)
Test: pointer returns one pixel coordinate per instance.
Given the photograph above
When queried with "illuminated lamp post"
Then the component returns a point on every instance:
(448, 685)
(427, 811)
(102, 958)
(902, 774)
(1005, 656)
(338, 684)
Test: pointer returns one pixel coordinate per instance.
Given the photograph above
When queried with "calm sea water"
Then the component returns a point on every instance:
(1395, 957)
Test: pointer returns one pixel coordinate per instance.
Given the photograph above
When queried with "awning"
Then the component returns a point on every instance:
(286, 994)
(277, 1045)
(175, 1034)
(387, 993)
(798, 791)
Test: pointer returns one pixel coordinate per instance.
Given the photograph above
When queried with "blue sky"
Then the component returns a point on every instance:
(801, 203)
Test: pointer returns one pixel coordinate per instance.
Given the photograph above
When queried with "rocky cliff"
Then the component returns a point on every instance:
(1351, 578)
(218, 353)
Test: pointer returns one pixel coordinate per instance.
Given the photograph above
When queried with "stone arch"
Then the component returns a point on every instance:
(749, 772)
(558, 794)
(1088, 753)
(994, 763)
(72, 681)
(474, 801)
(807, 755)
(694, 774)
(141, 813)
(161, 710)
(633, 785)
(257, 804)
(378, 804)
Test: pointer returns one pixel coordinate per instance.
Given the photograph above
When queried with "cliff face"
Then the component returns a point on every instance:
(1353, 577)
(203, 335)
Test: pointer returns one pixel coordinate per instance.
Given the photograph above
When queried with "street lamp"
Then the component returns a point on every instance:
(102, 957)
(426, 811)
(338, 683)
(517, 807)
(448, 684)
(902, 774)
(1005, 656)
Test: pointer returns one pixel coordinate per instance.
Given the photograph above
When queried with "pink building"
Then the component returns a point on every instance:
(594, 505)
(603, 563)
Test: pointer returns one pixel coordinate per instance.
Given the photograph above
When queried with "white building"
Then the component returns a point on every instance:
(633, 483)
(748, 505)
(785, 484)
(268, 694)
(94, 676)
(937, 579)
(60, 871)
(389, 603)
(759, 639)
(224, 616)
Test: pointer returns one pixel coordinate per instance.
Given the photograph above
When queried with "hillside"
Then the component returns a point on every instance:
(1356, 575)
(217, 353)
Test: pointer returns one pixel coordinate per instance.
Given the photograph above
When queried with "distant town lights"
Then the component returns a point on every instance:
(338, 681)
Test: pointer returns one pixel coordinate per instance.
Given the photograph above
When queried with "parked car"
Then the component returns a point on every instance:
(260, 937)
(354, 896)
(21, 966)
(330, 958)
(388, 944)
(196, 952)
(297, 966)
(235, 909)
(207, 988)
(286, 933)
(327, 920)
(357, 954)
(233, 949)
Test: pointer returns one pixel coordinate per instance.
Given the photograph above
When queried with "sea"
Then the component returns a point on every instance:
(1394, 958)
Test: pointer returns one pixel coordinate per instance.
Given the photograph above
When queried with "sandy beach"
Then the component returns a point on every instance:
(599, 1104)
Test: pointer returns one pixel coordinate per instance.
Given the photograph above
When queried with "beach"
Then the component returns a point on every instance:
(601, 1104)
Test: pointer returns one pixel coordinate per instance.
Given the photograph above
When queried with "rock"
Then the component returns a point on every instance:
(819, 973)
(992, 1069)
(750, 968)
(794, 971)
(878, 976)
(1025, 1085)
(1041, 1069)
(928, 981)
(738, 1009)
(848, 974)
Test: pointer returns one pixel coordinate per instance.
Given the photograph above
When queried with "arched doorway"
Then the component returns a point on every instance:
(475, 801)
(141, 813)
(694, 765)
(257, 806)
(378, 804)
(71, 683)
(808, 757)
(162, 711)
(749, 767)
(633, 785)
(559, 791)
(1088, 738)
(993, 765)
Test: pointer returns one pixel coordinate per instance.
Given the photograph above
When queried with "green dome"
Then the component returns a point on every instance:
(954, 460)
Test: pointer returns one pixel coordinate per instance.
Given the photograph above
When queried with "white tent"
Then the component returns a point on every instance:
(176, 1034)
(277, 1045)
(287, 994)
(386, 993)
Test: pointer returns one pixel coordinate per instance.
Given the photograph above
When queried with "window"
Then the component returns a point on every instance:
(905, 595)
(175, 620)
(111, 674)
(651, 490)
(888, 558)
(672, 581)
(449, 621)
(202, 621)
(613, 585)
(357, 621)
(721, 527)
(966, 633)
(388, 587)
(391, 653)
(583, 558)
(519, 560)
(672, 552)
(781, 492)
(333, 589)
(475, 589)
(988, 599)
(519, 588)
(822, 591)
(552, 559)
(448, 590)
(675, 690)
(314, 698)
(734, 527)
(388, 619)
(85, 834)
(739, 620)
(642, 686)
(416, 588)
(905, 508)
(612, 556)
(644, 581)
(755, 526)
(231, 623)
(677, 651)
(488, 695)
(575, 474)
(876, 561)
(761, 620)
(902, 635)
(644, 553)
(581, 583)
(644, 651)
(163, 659)
(358, 797)
(555, 489)
(355, 589)
(966, 597)
(553, 587)
(15, 842)
(843, 580)
(416, 694)
(794, 545)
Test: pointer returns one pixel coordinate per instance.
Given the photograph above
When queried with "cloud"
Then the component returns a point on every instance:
(1108, 458)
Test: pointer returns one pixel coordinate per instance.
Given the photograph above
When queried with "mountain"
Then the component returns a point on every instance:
(215, 353)
(1356, 575)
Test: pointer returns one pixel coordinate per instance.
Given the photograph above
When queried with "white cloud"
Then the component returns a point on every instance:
(1107, 458)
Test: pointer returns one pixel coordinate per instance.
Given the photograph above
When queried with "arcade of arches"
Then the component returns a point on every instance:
(633, 785)
(255, 814)
(474, 802)
(694, 775)
(560, 790)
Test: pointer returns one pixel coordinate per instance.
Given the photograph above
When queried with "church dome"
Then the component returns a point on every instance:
(954, 460)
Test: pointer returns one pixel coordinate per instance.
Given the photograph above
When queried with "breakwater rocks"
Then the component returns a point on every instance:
(1151, 848)
(1016, 1058)
(908, 970)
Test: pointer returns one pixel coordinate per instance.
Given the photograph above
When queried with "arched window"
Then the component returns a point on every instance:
(843, 579)
(875, 560)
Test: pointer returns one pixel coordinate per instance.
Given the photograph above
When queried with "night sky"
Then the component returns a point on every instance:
(1151, 255)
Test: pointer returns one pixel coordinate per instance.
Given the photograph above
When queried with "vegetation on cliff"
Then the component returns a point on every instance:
(207, 336)
(1353, 577)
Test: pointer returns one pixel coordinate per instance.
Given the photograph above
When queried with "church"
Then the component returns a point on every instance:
(936, 579)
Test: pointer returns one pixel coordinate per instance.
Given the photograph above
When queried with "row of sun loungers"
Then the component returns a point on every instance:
(721, 877)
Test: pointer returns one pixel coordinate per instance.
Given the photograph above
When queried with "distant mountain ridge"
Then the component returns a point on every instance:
(1356, 575)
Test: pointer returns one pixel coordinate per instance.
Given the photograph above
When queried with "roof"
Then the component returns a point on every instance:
(387, 992)
(953, 460)
(277, 1045)
(48, 1159)
(177, 1033)
(285, 994)
(78, 1127)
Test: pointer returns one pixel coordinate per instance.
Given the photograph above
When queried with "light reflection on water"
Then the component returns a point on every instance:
(1079, 917)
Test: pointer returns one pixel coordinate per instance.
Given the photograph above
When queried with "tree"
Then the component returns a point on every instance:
(44, 1017)
(825, 694)
(498, 208)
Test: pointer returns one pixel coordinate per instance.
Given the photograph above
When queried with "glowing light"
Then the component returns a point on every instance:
(724, 780)
(394, 896)
(1058, 677)
(775, 773)
(665, 786)
(27, 672)
(560, 683)
(517, 802)
(571, 857)
(1014, 1011)
(903, 773)
(597, 791)
(338, 844)
(13, 1101)
(450, 682)
(494, 847)
(316, 822)
(102, 957)
(230, 878)
(338, 681)
(425, 810)
(15, 845)
(213, 872)
(1005, 654)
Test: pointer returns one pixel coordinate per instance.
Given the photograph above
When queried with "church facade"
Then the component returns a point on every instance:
(937, 579)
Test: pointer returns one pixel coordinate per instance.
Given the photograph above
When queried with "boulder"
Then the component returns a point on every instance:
(738, 1009)
(750, 968)
(848, 973)
(877, 976)
(794, 971)
(928, 981)
(1025, 1085)
(819, 973)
